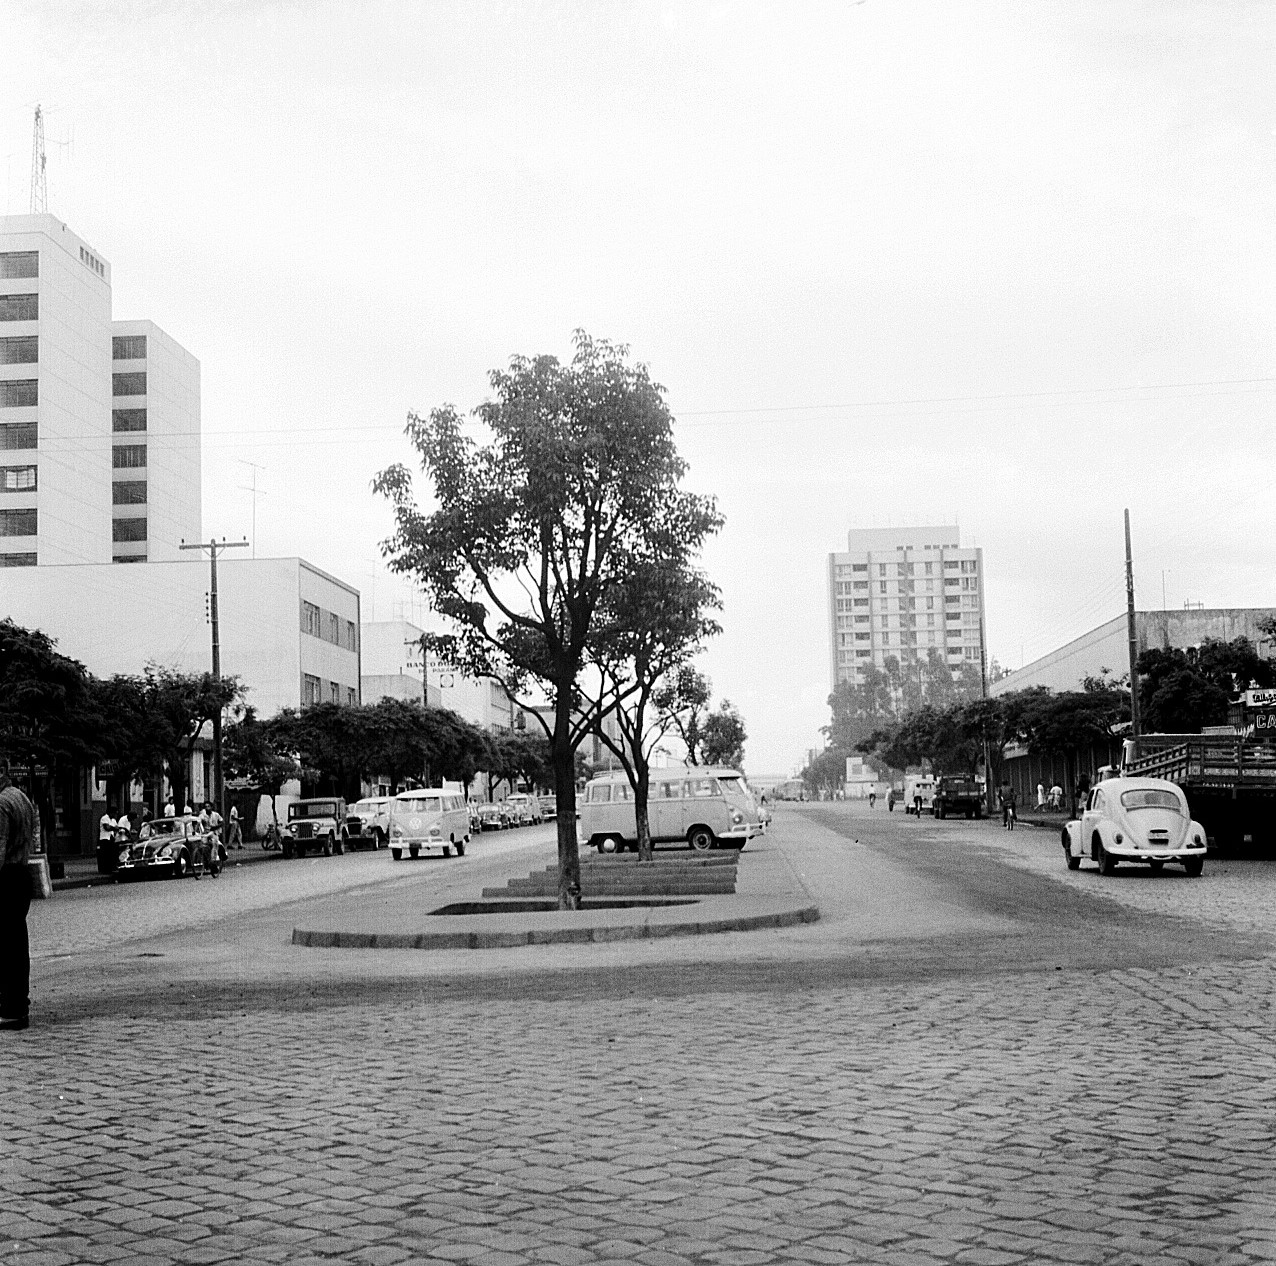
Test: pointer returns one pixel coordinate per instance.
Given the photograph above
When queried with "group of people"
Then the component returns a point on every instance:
(120, 830)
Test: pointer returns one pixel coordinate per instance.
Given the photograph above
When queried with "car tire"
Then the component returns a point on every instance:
(1107, 863)
(181, 867)
(447, 850)
(460, 848)
(414, 850)
(1193, 866)
(700, 838)
(378, 839)
(327, 845)
(941, 813)
(341, 843)
(397, 854)
(288, 851)
(1156, 867)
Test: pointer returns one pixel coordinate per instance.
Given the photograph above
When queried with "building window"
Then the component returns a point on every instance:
(17, 479)
(352, 697)
(881, 569)
(334, 692)
(129, 493)
(881, 586)
(128, 419)
(18, 435)
(17, 560)
(128, 347)
(859, 567)
(310, 687)
(17, 523)
(128, 558)
(15, 264)
(863, 654)
(19, 393)
(128, 384)
(125, 456)
(860, 584)
(352, 636)
(860, 602)
(90, 260)
(310, 620)
(128, 529)
(19, 351)
(19, 307)
(334, 629)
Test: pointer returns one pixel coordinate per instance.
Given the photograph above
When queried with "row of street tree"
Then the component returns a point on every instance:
(1180, 692)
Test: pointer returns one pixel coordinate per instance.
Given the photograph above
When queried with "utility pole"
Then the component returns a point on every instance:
(990, 803)
(39, 183)
(425, 684)
(214, 547)
(1130, 630)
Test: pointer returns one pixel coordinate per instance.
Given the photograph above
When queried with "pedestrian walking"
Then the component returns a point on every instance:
(17, 840)
(236, 836)
(890, 800)
(872, 799)
(105, 829)
(1008, 809)
(1041, 795)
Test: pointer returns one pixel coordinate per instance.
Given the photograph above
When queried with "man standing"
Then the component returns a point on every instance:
(17, 839)
(236, 835)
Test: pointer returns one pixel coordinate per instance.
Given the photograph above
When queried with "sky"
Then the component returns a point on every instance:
(895, 262)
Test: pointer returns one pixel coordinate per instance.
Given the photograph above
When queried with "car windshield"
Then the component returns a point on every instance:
(162, 826)
(419, 804)
(316, 809)
(1150, 798)
(367, 806)
(734, 785)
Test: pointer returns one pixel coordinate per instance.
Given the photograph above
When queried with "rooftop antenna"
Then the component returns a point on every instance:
(39, 184)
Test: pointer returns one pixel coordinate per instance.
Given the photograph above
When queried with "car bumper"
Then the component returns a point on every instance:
(1155, 855)
(146, 868)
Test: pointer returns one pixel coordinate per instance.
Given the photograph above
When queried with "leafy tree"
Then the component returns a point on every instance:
(657, 619)
(178, 706)
(1180, 691)
(535, 526)
(260, 754)
(826, 771)
(859, 710)
(680, 702)
(723, 737)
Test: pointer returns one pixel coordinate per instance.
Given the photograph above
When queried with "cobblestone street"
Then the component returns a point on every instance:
(1044, 1114)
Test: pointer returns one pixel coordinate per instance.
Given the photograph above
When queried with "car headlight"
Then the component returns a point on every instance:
(1118, 838)
(1196, 839)
(123, 855)
(736, 816)
(168, 850)
(396, 831)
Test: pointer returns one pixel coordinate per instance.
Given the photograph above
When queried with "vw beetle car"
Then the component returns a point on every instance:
(165, 846)
(1144, 820)
(524, 808)
(494, 817)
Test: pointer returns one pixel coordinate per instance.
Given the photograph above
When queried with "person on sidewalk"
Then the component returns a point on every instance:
(17, 840)
(236, 835)
(105, 829)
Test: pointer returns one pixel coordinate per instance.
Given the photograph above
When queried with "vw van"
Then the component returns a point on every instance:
(701, 806)
(428, 818)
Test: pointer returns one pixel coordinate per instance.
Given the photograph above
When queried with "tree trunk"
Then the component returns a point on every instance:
(563, 758)
(641, 815)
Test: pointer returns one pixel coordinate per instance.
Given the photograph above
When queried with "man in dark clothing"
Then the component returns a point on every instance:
(17, 839)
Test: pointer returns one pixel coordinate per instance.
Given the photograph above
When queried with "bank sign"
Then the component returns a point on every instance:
(1259, 698)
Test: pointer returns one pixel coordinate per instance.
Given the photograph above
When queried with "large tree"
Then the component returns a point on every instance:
(724, 736)
(681, 701)
(541, 506)
(178, 706)
(1181, 691)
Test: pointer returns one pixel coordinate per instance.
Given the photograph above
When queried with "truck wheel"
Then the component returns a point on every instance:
(341, 844)
(700, 838)
(327, 845)
(396, 853)
(941, 812)
(288, 850)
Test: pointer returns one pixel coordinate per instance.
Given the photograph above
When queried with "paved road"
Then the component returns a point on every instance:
(975, 1057)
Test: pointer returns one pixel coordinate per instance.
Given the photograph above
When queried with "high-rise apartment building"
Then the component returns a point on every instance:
(99, 420)
(901, 592)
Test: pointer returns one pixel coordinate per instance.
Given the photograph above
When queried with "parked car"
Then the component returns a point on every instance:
(368, 822)
(476, 818)
(318, 824)
(428, 818)
(494, 817)
(165, 846)
(549, 808)
(524, 808)
(1144, 820)
(957, 795)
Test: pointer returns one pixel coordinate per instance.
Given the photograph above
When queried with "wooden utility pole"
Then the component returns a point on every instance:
(214, 547)
(1131, 631)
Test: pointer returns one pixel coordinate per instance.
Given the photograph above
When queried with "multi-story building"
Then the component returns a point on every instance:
(901, 592)
(99, 421)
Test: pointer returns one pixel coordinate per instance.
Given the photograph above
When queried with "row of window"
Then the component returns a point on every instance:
(17, 523)
(127, 456)
(128, 347)
(21, 350)
(19, 393)
(128, 420)
(17, 479)
(129, 493)
(15, 264)
(128, 529)
(17, 560)
(19, 307)
(91, 261)
(133, 384)
(15, 435)
(687, 789)
(312, 691)
(330, 629)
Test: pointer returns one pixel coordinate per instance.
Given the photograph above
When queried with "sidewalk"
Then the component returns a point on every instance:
(82, 872)
(768, 894)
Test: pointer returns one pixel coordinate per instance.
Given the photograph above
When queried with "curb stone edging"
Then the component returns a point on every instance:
(551, 936)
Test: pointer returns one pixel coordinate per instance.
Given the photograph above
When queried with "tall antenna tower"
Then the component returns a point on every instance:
(39, 185)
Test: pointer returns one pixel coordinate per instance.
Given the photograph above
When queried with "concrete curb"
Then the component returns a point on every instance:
(508, 939)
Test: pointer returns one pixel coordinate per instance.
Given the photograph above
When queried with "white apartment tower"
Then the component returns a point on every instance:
(99, 420)
(899, 592)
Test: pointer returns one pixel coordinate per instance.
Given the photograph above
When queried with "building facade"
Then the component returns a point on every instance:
(899, 593)
(99, 420)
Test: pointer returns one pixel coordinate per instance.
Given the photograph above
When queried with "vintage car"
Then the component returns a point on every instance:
(1144, 820)
(368, 822)
(494, 817)
(549, 808)
(318, 824)
(524, 808)
(165, 846)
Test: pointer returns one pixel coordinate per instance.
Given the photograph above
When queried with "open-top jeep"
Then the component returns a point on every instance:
(316, 824)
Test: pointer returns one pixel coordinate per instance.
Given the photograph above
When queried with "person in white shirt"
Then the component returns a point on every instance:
(170, 809)
(124, 828)
(236, 836)
(106, 828)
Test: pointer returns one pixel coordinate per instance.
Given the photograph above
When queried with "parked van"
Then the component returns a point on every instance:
(701, 805)
(919, 793)
(428, 818)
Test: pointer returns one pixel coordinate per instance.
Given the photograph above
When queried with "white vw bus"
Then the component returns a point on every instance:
(701, 805)
(428, 818)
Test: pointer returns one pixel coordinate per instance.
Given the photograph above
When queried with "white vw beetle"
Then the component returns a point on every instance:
(1142, 820)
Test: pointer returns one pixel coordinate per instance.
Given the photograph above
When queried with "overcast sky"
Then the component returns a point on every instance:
(1004, 263)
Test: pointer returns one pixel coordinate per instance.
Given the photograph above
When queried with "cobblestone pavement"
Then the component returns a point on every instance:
(1005, 1115)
